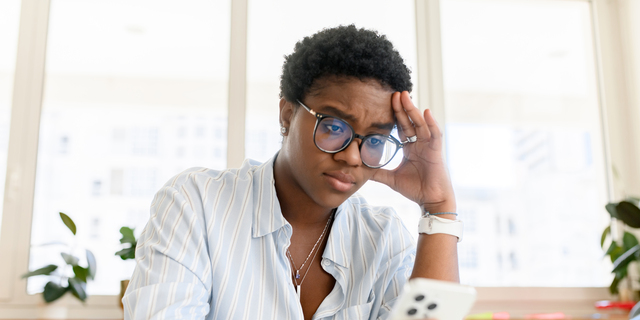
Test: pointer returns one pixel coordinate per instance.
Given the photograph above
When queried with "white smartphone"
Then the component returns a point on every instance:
(433, 299)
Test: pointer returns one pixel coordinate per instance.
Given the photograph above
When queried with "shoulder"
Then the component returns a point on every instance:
(199, 179)
(379, 229)
(381, 218)
(376, 236)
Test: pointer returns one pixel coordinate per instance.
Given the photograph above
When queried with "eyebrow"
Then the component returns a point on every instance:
(341, 114)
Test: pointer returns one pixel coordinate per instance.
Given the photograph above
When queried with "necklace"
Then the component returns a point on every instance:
(296, 275)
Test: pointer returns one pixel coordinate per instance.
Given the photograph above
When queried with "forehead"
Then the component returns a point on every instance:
(362, 102)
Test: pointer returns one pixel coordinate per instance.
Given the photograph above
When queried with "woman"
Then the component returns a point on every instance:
(290, 239)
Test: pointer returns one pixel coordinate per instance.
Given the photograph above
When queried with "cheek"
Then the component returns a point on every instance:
(302, 137)
(368, 173)
(299, 145)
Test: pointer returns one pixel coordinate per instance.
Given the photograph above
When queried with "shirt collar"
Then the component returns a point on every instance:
(339, 244)
(267, 215)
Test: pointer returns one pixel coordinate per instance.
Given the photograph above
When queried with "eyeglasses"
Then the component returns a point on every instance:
(332, 135)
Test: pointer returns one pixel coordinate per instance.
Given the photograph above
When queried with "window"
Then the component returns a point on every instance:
(271, 36)
(122, 98)
(138, 89)
(524, 140)
(9, 16)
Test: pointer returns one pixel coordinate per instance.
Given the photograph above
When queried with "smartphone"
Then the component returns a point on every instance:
(433, 299)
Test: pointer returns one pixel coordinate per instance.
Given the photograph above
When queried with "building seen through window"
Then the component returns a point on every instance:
(524, 141)
(128, 104)
(123, 114)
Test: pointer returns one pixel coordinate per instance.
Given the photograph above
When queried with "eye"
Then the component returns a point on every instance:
(334, 127)
(375, 142)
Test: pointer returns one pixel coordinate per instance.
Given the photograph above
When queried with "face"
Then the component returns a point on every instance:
(329, 179)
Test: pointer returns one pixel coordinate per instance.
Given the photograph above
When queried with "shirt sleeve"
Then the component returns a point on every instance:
(397, 271)
(396, 283)
(172, 276)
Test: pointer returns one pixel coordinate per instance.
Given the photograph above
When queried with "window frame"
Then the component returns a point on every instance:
(611, 49)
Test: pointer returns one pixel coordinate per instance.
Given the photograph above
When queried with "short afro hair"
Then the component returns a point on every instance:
(343, 51)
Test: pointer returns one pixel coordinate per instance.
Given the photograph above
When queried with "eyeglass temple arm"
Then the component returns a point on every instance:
(307, 108)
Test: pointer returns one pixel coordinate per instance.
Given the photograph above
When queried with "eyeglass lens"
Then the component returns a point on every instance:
(333, 134)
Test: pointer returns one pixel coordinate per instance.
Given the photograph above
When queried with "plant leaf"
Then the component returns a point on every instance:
(617, 252)
(68, 222)
(42, 271)
(605, 233)
(128, 253)
(78, 288)
(624, 259)
(53, 291)
(127, 235)
(634, 200)
(613, 288)
(91, 265)
(611, 208)
(69, 259)
(619, 276)
(612, 247)
(629, 240)
(81, 273)
(629, 213)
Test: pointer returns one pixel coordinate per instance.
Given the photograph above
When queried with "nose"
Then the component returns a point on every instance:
(350, 155)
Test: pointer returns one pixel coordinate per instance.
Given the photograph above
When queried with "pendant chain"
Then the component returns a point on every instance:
(296, 275)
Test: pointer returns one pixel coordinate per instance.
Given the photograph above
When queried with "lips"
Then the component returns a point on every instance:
(340, 181)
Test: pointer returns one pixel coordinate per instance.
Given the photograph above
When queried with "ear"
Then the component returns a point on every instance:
(286, 113)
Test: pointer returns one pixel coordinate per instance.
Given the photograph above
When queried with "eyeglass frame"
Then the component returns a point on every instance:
(321, 116)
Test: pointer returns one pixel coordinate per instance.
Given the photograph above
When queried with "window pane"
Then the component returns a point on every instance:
(9, 19)
(274, 28)
(136, 92)
(524, 141)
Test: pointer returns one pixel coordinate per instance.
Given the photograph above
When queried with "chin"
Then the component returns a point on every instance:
(334, 199)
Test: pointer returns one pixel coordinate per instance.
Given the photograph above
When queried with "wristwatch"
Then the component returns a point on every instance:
(431, 224)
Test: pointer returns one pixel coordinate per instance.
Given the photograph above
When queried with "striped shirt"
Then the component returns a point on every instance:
(215, 248)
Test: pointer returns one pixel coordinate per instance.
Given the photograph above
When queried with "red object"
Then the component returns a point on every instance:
(606, 304)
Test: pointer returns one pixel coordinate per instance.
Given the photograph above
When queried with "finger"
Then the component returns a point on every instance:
(436, 134)
(405, 127)
(401, 134)
(397, 107)
(419, 124)
(383, 176)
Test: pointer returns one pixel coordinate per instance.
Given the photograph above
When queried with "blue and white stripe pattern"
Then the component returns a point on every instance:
(214, 248)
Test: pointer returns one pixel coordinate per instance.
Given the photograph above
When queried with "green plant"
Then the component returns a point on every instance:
(623, 252)
(74, 280)
(130, 242)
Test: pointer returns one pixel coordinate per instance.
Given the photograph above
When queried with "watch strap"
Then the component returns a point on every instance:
(431, 225)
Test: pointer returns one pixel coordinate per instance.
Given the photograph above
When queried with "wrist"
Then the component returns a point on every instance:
(434, 224)
(444, 208)
(447, 216)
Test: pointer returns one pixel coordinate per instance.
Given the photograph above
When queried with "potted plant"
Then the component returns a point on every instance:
(622, 252)
(70, 277)
(129, 252)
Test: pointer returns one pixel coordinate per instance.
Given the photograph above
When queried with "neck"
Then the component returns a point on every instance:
(297, 206)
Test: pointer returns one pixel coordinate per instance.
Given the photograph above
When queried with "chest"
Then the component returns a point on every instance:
(312, 283)
(252, 279)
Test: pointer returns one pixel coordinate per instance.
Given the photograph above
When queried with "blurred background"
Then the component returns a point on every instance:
(536, 97)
